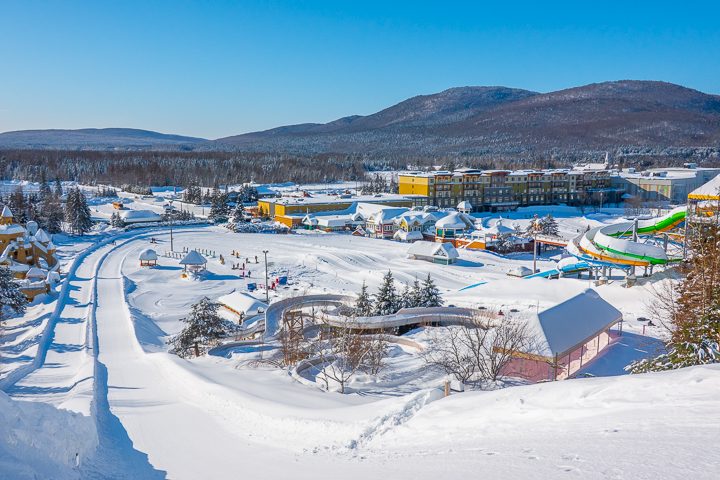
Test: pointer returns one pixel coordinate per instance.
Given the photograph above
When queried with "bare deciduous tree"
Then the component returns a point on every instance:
(343, 352)
(479, 350)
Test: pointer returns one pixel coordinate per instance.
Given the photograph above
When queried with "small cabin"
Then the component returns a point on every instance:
(118, 205)
(242, 304)
(567, 337)
(443, 253)
(452, 226)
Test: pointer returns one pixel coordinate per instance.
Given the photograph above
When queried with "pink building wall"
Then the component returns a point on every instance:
(538, 370)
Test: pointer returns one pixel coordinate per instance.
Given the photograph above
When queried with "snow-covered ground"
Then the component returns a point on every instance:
(155, 414)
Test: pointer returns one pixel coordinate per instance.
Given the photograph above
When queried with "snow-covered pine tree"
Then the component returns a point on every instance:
(430, 294)
(533, 227)
(386, 300)
(45, 190)
(203, 327)
(248, 193)
(117, 221)
(77, 212)
(548, 225)
(405, 300)
(504, 242)
(18, 205)
(51, 215)
(71, 202)
(363, 304)
(691, 311)
(11, 298)
(238, 212)
(219, 210)
(416, 295)
(58, 188)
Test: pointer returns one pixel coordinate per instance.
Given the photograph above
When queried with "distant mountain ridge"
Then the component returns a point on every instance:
(95, 138)
(624, 115)
(629, 116)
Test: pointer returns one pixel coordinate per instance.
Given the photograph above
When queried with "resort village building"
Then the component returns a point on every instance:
(28, 252)
(434, 252)
(567, 336)
(498, 190)
(292, 210)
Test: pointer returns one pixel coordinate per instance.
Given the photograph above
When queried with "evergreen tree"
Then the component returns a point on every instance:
(363, 304)
(202, 327)
(51, 215)
(692, 310)
(504, 242)
(77, 212)
(193, 194)
(45, 190)
(430, 294)
(534, 226)
(248, 194)
(238, 213)
(117, 221)
(17, 205)
(416, 295)
(11, 298)
(406, 300)
(58, 188)
(219, 210)
(386, 300)
(549, 226)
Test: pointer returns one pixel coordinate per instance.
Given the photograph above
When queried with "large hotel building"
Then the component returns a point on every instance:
(497, 190)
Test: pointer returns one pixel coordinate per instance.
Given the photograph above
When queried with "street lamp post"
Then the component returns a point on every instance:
(535, 227)
(267, 289)
(170, 215)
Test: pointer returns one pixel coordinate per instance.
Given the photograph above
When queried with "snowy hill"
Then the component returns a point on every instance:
(96, 139)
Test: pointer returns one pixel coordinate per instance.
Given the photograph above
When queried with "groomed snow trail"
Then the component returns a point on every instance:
(62, 373)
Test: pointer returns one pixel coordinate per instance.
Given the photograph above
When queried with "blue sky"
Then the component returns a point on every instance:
(214, 69)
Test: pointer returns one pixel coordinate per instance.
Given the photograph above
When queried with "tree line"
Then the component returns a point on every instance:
(388, 301)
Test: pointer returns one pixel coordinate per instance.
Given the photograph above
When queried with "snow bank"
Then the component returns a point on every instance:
(40, 441)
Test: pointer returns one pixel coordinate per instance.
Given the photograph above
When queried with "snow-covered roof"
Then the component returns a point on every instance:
(335, 221)
(12, 229)
(36, 272)
(569, 324)
(242, 302)
(433, 249)
(193, 258)
(464, 205)
(32, 227)
(309, 220)
(131, 216)
(519, 271)
(454, 220)
(53, 276)
(380, 213)
(420, 217)
(499, 229)
(412, 235)
(42, 236)
(6, 212)
(148, 255)
(709, 191)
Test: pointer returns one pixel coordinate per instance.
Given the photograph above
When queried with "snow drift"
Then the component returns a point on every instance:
(39, 441)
